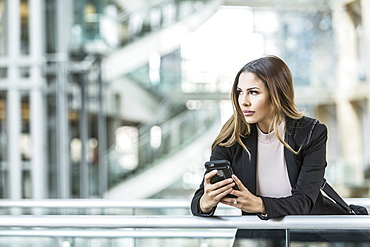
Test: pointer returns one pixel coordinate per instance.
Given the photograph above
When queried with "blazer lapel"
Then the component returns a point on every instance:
(291, 166)
(249, 162)
(289, 156)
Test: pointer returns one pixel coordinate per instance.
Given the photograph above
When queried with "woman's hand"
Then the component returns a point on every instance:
(213, 193)
(245, 200)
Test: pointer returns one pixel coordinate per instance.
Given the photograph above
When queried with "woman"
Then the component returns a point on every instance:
(278, 155)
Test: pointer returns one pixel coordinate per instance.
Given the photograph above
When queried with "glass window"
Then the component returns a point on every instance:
(25, 141)
(25, 38)
(3, 71)
(24, 72)
(50, 26)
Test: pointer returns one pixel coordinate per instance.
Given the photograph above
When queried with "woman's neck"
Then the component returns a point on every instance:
(266, 127)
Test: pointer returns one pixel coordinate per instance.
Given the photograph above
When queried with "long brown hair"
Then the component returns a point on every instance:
(276, 76)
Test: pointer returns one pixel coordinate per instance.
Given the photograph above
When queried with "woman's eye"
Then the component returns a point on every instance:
(253, 92)
(239, 92)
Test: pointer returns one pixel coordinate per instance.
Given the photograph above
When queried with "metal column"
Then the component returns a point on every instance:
(14, 130)
(37, 119)
(63, 162)
(13, 103)
(84, 135)
(102, 136)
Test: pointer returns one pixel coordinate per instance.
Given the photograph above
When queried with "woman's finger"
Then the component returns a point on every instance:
(209, 175)
(238, 182)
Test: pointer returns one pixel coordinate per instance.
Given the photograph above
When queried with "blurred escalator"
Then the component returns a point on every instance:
(161, 122)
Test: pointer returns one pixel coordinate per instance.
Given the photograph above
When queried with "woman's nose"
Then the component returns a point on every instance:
(246, 101)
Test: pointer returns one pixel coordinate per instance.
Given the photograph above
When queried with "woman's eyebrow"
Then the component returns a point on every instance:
(253, 88)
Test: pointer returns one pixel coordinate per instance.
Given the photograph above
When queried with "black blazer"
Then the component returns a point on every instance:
(306, 170)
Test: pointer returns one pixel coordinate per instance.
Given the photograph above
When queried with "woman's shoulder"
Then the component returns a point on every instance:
(304, 129)
(302, 124)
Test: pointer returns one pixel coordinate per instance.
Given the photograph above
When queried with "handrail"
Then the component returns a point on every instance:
(94, 203)
(113, 233)
(104, 203)
(334, 222)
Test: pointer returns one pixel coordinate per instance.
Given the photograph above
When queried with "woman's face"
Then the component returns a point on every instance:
(254, 101)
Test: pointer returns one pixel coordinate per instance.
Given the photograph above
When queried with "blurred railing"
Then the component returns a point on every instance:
(117, 28)
(188, 222)
(114, 233)
(172, 135)
(142, 230)
(149, 18)
(105, 205)
(175, 133)
(83, 226)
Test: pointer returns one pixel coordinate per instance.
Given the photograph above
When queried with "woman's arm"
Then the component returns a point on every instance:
(213, 193)
(208, 195)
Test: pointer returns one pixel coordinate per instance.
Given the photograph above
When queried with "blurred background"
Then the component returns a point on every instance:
(121, 99)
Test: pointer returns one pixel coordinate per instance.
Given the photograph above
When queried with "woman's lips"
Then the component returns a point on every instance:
(248, 113)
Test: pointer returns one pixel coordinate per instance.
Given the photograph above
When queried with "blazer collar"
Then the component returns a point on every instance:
(249, 161)
(290, 160)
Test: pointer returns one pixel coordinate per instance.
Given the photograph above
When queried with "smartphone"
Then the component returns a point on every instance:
(224, 171)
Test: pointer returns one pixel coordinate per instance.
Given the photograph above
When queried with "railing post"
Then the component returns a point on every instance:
(287, 237)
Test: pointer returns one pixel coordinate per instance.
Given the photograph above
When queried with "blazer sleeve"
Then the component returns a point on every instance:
(219, 153)
(307, 188)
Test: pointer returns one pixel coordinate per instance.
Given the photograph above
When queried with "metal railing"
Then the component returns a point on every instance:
(301, 222)
(172, 226)
(128, 204)
(87, 233)
(102, 207)
(168, 227)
